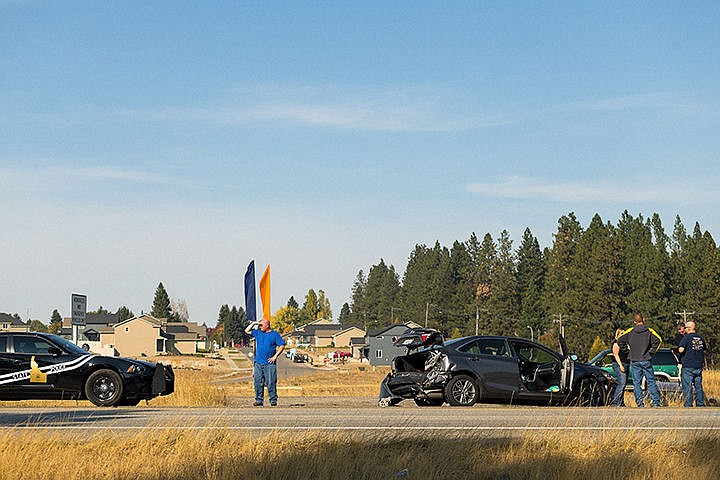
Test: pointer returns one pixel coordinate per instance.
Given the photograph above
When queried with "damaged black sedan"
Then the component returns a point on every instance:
(494, 369)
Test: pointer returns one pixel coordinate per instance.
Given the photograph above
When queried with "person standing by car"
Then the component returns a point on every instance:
(679, 335)
(620, 367)
(692, 350)
(642, 343)
(268, 347)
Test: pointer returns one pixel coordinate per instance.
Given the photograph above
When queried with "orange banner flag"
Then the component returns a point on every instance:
(265, 292)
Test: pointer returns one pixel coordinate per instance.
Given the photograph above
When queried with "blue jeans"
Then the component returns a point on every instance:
(640, 370)
(621, 378)
(265, 374)
(692, 377)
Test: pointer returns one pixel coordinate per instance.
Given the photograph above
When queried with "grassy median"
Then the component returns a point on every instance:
(221, 454)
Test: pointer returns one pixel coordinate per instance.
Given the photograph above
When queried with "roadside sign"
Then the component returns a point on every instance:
(79, 308)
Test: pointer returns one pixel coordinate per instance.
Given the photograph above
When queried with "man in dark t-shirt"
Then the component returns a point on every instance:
(692, 350)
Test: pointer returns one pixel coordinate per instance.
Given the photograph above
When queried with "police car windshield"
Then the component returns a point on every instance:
(68, 346)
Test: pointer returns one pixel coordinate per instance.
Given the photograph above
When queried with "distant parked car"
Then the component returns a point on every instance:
(300, 358)
(665, 364)
(44, 366)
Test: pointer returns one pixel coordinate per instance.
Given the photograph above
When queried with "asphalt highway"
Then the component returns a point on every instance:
(362, 417)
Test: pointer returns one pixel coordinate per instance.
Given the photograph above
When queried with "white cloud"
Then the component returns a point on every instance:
(421, 109)
(596, 191)
(62, 177)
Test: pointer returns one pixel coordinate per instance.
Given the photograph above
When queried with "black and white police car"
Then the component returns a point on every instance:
(43, 366)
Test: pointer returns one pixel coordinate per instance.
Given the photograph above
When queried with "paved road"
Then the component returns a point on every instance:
(362, 418)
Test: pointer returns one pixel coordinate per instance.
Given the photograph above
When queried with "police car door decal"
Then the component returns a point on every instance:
(49, 369)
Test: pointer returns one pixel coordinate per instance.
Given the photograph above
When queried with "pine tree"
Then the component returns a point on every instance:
(559, 282)
(223, 314)
(161, 303)
(531, 280)
(124, 313)
(382, 292)
(55, 317)
(644, 275)
(415, 294)
(235, 323)
(594, 302)
(344, 317)
(324, 308)
(503, 302)
(292, 303)
(311, 305)
(358, 307)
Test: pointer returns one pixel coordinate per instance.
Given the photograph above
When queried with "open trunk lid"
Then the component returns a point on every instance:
(414, 338)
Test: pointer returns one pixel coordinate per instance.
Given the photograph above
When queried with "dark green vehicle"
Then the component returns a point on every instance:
(665, 364)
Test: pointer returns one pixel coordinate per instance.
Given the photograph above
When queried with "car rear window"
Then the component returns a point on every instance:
(664, 357)
(3, 344)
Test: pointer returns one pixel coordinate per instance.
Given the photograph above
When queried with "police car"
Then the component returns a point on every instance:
(44, 366)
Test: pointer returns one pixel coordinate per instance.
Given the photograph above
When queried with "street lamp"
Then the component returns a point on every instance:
(532, 334)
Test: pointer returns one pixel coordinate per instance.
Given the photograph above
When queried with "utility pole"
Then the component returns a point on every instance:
(477, 317)
(559, 320)
(684, 314)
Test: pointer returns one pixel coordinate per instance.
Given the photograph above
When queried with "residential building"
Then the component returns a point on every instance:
(343, 337)
(90, 332)
(379, 348)
(146, 336)
(10, 323)
(316, 334)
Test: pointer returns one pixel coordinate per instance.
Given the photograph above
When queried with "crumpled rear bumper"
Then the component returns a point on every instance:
(387, 397)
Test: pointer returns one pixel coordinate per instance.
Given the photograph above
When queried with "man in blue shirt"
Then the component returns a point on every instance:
(268, 347)
(692, 350)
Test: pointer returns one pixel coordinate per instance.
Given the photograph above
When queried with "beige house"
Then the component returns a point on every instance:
(146, 336)
(141, 336)
(184, 338)
(9, 323)
(342, 338)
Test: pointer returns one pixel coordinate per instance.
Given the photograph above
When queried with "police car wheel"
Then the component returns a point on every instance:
(104, 388)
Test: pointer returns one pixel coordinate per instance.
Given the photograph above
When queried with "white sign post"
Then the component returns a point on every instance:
(79, 309)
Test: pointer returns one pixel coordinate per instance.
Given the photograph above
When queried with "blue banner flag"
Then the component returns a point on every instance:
(250, 292)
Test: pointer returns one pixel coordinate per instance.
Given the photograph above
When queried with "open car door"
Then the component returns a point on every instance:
(567, 367)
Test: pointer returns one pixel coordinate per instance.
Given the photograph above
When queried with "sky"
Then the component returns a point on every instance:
(174, 142)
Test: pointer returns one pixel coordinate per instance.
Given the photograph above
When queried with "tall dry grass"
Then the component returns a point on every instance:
(223, 454)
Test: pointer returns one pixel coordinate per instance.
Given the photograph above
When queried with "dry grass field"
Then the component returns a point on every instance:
(222, 454)
(227, 454)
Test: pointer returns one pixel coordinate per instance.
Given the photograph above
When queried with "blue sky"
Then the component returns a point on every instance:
(176, 141)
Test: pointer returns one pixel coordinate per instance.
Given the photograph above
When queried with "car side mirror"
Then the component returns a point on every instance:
(54, 351)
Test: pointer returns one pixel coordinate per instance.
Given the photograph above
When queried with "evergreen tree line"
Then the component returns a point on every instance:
(589, 282)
